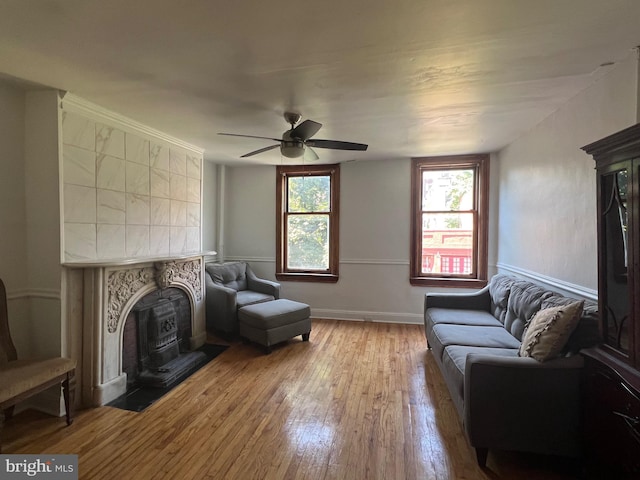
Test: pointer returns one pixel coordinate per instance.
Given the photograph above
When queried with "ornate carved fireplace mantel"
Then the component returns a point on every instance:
(107, 291)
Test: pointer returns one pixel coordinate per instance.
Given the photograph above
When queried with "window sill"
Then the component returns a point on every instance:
(447, 282)
(307, 277)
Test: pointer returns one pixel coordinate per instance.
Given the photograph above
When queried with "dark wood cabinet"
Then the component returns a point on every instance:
(612, 376)
(611, 417)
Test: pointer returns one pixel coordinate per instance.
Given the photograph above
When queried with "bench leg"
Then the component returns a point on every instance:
(8, 413)
(305, 337)
(5, 414)
(68, 392)
(2, 417)
(481, 456)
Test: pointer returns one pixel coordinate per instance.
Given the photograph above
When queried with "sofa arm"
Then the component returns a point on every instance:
(221, 306)
(480, 300)
(518, 403)
(261, 285)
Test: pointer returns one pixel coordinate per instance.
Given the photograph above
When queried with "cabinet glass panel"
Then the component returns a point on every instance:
(614, 225)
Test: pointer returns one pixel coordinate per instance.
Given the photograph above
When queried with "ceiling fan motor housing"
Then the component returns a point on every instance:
(292, 118)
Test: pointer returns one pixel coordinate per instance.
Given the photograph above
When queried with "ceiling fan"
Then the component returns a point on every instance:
(297, 140)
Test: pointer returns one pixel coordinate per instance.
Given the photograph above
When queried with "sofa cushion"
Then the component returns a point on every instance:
(461, 317)
(454, 360)
(499, 289)
(471, 335)
(587, 332)
(549, 330)
(20, 376)
(231, 275)
(274, 314)
(249, 297)
(525, 299)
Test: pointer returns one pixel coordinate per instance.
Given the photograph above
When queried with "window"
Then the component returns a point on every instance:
(307, 225)
(449, 234)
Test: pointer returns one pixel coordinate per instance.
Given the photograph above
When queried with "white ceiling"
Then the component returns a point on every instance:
(408, 77)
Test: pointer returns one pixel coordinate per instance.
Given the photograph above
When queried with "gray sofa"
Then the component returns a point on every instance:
(229, 287)
(505, 401)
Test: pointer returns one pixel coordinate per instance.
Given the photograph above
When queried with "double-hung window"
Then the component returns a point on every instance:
(307, 222)
(449, 220)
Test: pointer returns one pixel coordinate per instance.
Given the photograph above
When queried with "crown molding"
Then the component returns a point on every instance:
(77, 104)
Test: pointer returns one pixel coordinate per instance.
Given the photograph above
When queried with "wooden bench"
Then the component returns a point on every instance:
(21, 379)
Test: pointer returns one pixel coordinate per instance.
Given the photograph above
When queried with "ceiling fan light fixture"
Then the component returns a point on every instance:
(292, 149)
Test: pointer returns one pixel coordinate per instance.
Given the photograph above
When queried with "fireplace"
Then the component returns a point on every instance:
(107, 294)
(156, 350)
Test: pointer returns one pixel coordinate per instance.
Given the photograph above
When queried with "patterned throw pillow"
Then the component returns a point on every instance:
(548, 331)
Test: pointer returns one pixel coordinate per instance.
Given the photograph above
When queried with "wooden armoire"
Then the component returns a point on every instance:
(612, 370)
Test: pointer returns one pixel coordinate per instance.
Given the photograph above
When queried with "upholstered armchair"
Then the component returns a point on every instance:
(229, 287)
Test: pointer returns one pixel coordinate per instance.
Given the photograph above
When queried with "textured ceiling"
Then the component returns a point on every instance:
(408, 77)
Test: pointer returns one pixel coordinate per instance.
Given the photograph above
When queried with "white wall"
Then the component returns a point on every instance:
(547, 185)
(209, 206)
(13, 225)
(29, 218)
(43, 221)
(542, 212)
(374, 240)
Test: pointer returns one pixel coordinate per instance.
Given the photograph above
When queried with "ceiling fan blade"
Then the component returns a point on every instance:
(305, 130)
(255, 152)
(312, 154)
(337, 145)
(250, 136)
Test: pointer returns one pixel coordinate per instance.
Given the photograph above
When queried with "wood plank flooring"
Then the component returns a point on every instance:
(359, 401)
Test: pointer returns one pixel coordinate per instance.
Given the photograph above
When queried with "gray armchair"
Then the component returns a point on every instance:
(229, 287)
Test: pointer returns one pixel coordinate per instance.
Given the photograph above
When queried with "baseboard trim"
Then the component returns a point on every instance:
(365, 316)
(553, 283)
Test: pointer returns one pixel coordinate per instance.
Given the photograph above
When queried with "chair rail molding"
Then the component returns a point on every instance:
(343, 261)
(51, 294)
(553, 283)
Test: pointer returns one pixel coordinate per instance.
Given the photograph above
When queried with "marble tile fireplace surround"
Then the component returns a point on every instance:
(131, 223)
(106, 291)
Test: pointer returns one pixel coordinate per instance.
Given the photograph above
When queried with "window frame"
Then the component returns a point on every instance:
(479, 163)
(283, 172)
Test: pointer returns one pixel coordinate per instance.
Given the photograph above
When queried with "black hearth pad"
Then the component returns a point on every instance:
(139, 398)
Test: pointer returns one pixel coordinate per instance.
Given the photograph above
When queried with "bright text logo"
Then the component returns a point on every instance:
(51, 467)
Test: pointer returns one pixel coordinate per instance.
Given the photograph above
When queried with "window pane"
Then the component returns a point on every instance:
(447, 189)
(308, 242)
(309, 194)
(447, 243)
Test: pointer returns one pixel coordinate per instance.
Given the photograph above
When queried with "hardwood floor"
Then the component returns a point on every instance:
(359, 401)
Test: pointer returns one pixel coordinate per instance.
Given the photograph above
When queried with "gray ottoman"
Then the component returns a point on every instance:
(273, 322)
